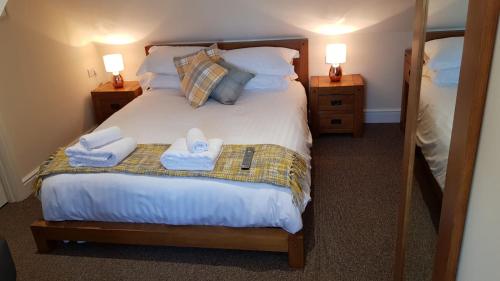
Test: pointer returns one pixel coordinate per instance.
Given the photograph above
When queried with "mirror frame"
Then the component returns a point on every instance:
(417, 58)
(479, 43)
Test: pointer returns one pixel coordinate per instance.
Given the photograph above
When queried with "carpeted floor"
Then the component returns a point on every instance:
(422, 240)
(351, 229)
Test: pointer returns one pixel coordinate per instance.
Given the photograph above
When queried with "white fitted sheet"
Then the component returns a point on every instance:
(161, 116)
(435, 122)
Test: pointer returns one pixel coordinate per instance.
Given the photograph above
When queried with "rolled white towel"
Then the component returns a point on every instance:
(100, 138)
(196, 141)
(105, 156)
(178, 157)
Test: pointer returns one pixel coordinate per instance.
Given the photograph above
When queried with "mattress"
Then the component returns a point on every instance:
(163, 115)
(434, 125)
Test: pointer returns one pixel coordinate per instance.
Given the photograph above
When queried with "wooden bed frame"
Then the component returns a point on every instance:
(46, 233)
(431, 191)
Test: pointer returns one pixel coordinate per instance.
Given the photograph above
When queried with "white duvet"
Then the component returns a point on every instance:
(162, 116)
(435, 122)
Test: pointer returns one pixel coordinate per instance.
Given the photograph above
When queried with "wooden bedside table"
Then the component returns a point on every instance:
(108, 100)
(337, 107)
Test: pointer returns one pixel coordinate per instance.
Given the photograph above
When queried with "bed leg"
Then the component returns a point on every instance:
(42, 243)
(296, 250)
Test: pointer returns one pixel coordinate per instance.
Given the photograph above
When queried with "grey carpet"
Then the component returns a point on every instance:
(422, 240)
(351, 229)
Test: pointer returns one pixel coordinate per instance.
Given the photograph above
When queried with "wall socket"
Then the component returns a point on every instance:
(91, 73)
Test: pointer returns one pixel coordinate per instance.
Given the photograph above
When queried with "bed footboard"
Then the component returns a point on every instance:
(46, 234)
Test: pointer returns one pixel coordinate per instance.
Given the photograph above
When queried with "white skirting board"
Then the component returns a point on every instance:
(382, 115)
(27, 180)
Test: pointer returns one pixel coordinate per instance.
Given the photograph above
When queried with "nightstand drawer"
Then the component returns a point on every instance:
(340, 103)
(337, 107)
(336, 90)
(332, 122)
(110, 106)
(107, 100)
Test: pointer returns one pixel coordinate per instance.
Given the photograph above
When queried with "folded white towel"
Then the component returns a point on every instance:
(178, 157)
(196, 141)
(105, 156)
(100, 138)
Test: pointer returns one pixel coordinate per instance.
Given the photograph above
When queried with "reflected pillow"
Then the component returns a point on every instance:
(444, 53)
(443, 77)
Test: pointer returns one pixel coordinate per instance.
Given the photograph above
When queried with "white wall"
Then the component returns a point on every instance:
(376, 32)
(44, 89)
(480, 255)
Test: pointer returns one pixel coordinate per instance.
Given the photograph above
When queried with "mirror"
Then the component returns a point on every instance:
(437, 99)
(431, 78)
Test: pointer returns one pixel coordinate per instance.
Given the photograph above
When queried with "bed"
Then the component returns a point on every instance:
(433, 136)
(435, 121)
(190, 212)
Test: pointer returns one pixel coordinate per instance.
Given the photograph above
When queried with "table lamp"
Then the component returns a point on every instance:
(114, 64)
(335, 55)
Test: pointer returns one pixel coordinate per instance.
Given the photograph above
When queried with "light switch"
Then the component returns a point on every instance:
(91, 73)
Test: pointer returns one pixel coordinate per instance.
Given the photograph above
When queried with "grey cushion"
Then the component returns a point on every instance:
(7, 268)
(230, 87)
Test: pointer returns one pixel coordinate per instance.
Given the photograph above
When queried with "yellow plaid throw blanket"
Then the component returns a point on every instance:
(271, 164)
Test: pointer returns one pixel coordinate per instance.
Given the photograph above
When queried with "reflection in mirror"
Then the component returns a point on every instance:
(422, 240)
(438, 91)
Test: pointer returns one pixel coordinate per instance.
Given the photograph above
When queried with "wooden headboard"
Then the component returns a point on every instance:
(301, 64)
(432, 35)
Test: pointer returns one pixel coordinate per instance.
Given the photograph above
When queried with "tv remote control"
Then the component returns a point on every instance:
(247, 158)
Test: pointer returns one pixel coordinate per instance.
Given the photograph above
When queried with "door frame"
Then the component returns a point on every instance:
(8, 174)
(3, 195)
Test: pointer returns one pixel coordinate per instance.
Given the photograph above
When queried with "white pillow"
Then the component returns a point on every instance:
(263, 60)
(443, 77)
(444, 53)
(161, 59)
(268, 82)
(160, 81)
(144, 80)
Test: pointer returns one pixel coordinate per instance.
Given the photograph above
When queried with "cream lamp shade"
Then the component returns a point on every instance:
(336, 53)
(113, 63)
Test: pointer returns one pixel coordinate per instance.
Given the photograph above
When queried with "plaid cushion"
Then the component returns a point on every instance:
(183, 64)
(201, 78)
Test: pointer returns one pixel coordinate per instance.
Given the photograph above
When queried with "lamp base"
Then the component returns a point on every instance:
(335, 73)
(117, 81)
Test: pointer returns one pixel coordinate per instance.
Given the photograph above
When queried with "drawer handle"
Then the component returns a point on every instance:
(336, 102)
(336, 121)
(116, 106)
